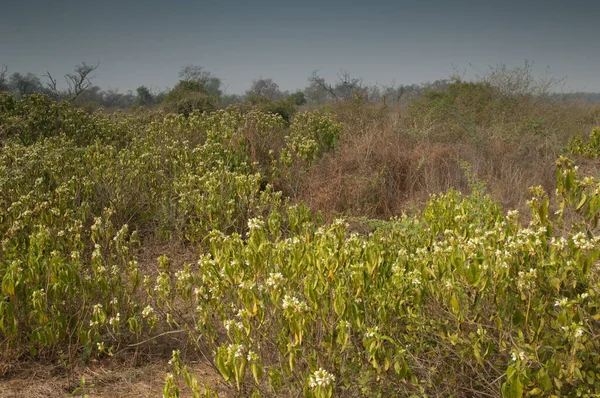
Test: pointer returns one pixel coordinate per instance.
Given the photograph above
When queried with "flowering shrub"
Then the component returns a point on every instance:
(458, 299)
(590, 149)
(312, 134)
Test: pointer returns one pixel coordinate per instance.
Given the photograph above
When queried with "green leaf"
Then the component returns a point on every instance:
(222, 366)
(516, 389)
(581, 202)
(455, 304)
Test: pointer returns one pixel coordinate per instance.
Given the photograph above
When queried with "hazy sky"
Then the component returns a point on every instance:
(406, 41)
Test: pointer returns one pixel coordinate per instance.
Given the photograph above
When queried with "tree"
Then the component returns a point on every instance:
(77, 82)
(316, 94)
(213, 86)
(265, 89)
(92, 98)
(348, 87)
(3, 79)
(114, 99)
(319, 90)
(298, 98)
(144, 96)
(194, 73)
(191, 92)
(230, 99)
(24, 84)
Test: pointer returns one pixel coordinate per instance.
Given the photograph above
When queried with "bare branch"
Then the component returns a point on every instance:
(80, 80)
(194, 73)
(52, 87)
(320, 82)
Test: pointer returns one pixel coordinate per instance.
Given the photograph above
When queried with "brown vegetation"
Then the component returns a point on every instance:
(392, 158)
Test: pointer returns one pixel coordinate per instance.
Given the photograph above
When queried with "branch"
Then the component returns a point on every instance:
(320, 82)
(80, 80)
(156, 337)
(51, 84)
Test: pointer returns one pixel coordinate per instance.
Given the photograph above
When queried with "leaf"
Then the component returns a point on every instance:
(223, 367)
(386, 364)
(516, 388)
(581, 203)
(255, 372)
(518, 317)
(454, 304)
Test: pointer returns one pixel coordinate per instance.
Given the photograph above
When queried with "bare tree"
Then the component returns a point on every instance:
(319, 82)
(344, 89)
(194, 73)
(348, 86)
(265, 88)
(392, 93)
(78, 81)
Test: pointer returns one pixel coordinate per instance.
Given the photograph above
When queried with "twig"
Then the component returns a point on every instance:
(157, 336)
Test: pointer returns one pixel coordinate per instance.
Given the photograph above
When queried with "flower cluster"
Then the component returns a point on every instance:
(294, 305)
(321, 378)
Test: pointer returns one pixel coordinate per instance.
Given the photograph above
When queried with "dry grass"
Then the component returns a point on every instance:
(104, 379)
(392, 159)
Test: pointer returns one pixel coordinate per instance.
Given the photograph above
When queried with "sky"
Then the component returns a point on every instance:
(383, 42)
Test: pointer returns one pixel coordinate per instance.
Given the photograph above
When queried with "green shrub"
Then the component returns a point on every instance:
(590, 149)
(34, 117)
(457, 299)
(189, 96)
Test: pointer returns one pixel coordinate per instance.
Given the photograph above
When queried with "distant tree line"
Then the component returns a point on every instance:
(592, 98)
(199, 89)
(78, 88)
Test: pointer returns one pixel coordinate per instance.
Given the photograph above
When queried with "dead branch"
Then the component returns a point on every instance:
(320, 82)
(80, 80)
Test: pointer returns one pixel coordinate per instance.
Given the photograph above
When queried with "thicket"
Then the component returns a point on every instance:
(455, 298)
(391, 158)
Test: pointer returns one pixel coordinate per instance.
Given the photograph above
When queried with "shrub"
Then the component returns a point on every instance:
(188, 96)
(455, 299)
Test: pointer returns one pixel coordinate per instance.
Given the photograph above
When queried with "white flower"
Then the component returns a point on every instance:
(372, 332)
(147, 311)
(344, 325)
(231, 324)
(340, 222)
(252, 356)
(297, 306)
(236, 349)
(561, 303)
(255, 224)
(321, 378)
(239, 352)
(114, 321)
(275, 279)
(518, 355)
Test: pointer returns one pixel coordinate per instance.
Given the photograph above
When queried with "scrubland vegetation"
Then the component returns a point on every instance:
(352, 248)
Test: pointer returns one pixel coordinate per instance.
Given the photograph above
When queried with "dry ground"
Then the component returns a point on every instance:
(104, 379)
